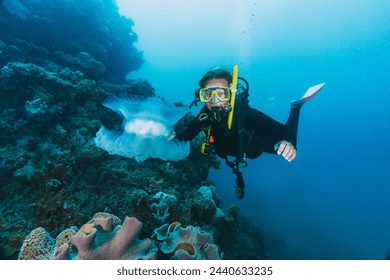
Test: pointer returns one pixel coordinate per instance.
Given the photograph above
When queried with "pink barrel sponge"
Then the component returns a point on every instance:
(98, 240)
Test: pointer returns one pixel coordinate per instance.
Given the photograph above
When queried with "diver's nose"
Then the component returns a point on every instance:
(214, 100)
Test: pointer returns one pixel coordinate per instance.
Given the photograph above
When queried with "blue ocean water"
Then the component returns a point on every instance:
(332, 202)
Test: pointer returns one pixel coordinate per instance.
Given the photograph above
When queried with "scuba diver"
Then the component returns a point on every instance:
(232, 128)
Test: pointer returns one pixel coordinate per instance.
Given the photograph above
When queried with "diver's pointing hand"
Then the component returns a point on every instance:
(173, 135)
(286, 149)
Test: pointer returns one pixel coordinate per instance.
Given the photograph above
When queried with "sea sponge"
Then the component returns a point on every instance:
(99, 241)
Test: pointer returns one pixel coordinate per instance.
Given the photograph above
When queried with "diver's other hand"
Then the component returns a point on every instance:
(286, 149)
(172, 136)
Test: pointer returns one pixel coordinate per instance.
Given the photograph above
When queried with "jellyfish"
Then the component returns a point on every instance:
(146, 126)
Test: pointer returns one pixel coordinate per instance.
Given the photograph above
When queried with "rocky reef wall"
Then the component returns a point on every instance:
(90, 36)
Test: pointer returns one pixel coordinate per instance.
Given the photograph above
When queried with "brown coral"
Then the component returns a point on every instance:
(65, 235)
(38, 245)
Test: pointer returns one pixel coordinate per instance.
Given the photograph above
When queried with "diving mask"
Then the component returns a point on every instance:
(214, 94)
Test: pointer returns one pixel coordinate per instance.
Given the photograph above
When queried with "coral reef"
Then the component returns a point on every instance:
(53, 176)
(100, 239)
(34, 107)
(164, 204)
(104, 238)
(87, 36)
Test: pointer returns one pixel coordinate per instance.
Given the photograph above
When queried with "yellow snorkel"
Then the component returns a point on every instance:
(233, 91)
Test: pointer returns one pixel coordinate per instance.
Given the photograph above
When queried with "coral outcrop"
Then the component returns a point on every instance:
(38, 245)
(104, 238)
(188, 243)
(101, 239)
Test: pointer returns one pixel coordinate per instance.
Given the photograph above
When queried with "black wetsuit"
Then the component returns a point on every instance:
(259, 132)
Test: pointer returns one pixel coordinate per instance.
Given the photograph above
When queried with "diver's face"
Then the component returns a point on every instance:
(216, 83)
